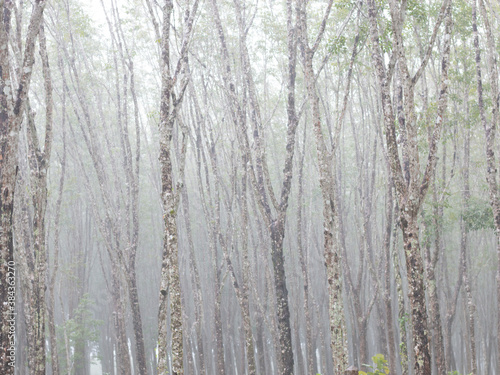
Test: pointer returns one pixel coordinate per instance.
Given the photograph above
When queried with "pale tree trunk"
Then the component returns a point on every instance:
(123, 357)
(249, 343)
(396, 262)
(170, 288)
(390, 256)
(259, 176)
(410, 191)
(195, 273)
(303, 260)
(431, 259)
(206, 199)
(109, 225)
(240, 291)
(365, 197)
(55, 265)
(39, 161)
(450, 363)
(338, 333)
(389, 207)
(195, 280)
(491, 163)
(131, 166)
(11, 115)
(402, 310)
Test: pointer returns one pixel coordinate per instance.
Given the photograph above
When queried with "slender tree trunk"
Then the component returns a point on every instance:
(131, 176)
(39, 161)
(170, 287)
(389, 207)
(198, 299)
(51, 295)
(491, 163)
(11, 114)
(122, 353)
(338, 333)
(409, 189)
(431, 262)
(260, 181)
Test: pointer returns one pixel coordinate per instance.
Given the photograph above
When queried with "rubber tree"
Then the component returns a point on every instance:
(12, 104)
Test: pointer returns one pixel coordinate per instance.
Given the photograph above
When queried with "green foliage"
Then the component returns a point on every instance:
(404, 319)
(479, 215)
(344, 4)
(417, 10)
(81, 329)
(379, 368)
(455, 373)
(338, 45)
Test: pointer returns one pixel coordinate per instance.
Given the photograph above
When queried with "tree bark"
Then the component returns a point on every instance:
(338, 333)
(259, 178)
(491, 163)
(409, 190)
(11, 115)
(170, 287)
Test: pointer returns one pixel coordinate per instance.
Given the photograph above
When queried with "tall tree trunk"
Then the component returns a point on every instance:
(11, 114)
(260, 181)
(195, 280)
(131, 168)
(54, 357)
(338, 333)
(122, 353)
(303, 260)
(170, 288)
(391, 341)
(409, 189)
(491, 163)
(431, 259)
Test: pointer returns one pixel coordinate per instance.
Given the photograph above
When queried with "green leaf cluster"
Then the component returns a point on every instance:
(478, 215)
(379, 366)
(80, 330)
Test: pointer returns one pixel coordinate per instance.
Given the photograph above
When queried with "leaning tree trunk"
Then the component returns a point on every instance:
(491, 163)
(39, 162)
(11, 114)
(54, 357)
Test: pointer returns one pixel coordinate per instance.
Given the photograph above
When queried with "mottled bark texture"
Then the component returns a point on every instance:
(38, 163)
(11, 115)
(434, 313)
(391, 340)
(402, 309)
(491, 162)
(170, 287)
(259, 176)
(406, 173)
(326, 163)
(431, 260)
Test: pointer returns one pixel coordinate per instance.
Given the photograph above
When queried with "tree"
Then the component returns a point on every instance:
(170, 279)
(410, 186)
(12, 106)
(490, 131)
